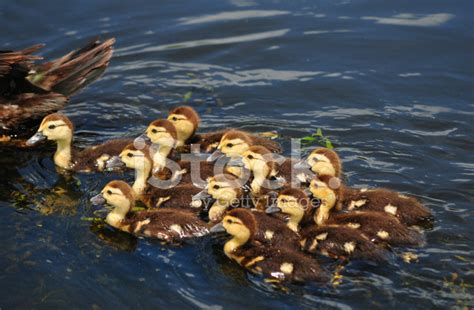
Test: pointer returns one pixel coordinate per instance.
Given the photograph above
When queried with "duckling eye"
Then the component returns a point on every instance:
(154, 130)
(229, 145)
(52, 126)
(216, 187)
(229, 222)
(129, 155)
(109, 192)
(174, 118)
(249, 156)
(284, 200)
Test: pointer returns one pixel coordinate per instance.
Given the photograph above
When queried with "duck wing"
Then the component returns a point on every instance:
(168, 224)
(93, 158)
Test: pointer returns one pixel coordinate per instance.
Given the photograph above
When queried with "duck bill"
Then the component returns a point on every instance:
(272, 209)
(215, 156)
(302, 164)
(114, 163)
(36, 138)
(143, 138)
(98, 200)
(218, 228)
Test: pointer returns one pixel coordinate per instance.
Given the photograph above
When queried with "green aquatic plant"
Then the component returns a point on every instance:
(319, 138)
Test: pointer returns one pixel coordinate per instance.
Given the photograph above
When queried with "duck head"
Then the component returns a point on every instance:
(55, 127)
(162, 132)
(186, 120)
(295, 203)
(233, 144)
(225, 189)
(322, 161)
(326, 188)
(240, 224)
(119, 195)
(133, 158)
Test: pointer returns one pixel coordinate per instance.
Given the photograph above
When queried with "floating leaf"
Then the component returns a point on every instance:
(308, 139)
(329, 144)
(187, 96)
(461, 258)
(318, 133)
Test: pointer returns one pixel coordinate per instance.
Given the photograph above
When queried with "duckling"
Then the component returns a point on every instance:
(337, 241)
(226, 190)
(170, 225)
(235, 142)
(407, 210)
(57, 127)
(150, 191)
(163, 134)
(277, 264)
(322, 161)
(186, 120)
(29, 91)
(260, 162)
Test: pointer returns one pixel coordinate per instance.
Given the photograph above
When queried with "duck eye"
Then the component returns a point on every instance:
(129, 155)
(52, 126)
(249, 156)
(109, 192)
(284, 200)
(229, 145)
(174, 118)
(229, 221)
(216, 187)
(154, 130)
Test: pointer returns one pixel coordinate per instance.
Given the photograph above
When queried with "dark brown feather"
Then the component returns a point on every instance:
(371, 223)
(170, 225)
(333, 245)
(409, 210)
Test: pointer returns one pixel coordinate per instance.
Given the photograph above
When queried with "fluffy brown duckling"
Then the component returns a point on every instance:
(268, 172)
(337, 241)
(226, 191)
(153, 192)
(276, 264)
(58, 128)
(408, 210)
(29, 91)
(170, 225)
(235, 142)
(186, 120)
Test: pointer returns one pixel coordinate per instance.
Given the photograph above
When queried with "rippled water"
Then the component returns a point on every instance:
(390, 84)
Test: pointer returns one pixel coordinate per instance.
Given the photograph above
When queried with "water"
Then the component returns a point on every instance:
(390, 84)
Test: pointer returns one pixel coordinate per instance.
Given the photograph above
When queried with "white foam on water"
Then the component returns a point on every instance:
(409, 19)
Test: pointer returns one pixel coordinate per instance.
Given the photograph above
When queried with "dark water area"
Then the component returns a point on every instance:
(390, 84)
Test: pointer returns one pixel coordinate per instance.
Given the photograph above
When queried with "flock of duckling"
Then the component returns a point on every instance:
(277, 233)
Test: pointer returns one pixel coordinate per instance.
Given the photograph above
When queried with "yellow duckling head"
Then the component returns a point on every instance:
(55, 127)
(186, 120)
(162, 132)
(233, 144)
(295, 203)
(322, 161)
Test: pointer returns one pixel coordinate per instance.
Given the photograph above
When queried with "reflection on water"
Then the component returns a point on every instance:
(389, 83)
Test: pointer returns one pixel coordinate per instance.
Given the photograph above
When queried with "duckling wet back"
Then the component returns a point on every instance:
(371, 208)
